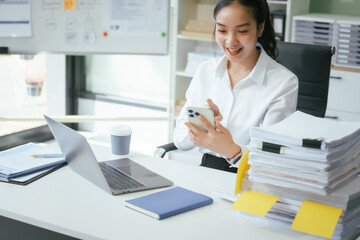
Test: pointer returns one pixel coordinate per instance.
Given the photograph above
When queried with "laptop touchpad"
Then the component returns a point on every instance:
(137, 171)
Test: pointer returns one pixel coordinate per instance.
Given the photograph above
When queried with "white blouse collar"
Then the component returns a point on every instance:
(257, 74)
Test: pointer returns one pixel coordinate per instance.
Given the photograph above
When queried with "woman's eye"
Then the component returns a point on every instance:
(221, 30)
(245, 31)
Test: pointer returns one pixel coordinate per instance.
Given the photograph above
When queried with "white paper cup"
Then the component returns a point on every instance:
(120, 139)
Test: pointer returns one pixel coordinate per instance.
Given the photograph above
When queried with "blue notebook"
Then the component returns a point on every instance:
(169, 202)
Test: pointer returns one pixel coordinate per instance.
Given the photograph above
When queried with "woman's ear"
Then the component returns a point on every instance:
(261, 29)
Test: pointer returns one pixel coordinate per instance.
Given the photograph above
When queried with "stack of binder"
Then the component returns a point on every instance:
(348, 52)
(308, 158)
(319, 29)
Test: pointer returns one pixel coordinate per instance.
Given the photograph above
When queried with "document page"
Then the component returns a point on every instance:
(20, 159)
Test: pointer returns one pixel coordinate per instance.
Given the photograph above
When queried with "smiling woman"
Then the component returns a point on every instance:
(237, 37)
(245, 88)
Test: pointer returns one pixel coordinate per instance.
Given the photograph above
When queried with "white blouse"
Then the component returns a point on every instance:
(266, 96)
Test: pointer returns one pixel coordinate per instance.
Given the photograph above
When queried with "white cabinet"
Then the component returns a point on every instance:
(344, 97)
(185, 10)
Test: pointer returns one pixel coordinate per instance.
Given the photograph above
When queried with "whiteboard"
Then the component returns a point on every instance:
(90, 26)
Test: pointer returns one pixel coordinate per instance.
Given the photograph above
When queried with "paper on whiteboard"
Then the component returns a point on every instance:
(15, 20)
(136, 17)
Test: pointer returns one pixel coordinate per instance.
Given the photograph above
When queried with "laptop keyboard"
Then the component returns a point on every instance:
(119, 180)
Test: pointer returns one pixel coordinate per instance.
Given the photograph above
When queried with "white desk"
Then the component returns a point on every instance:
(66, 203)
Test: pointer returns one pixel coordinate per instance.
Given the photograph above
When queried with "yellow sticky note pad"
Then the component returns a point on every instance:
(243, 167)
(316, 219)
(69, 4)
(255, 203)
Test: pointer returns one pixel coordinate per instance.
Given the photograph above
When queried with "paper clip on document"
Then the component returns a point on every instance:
(271, 147)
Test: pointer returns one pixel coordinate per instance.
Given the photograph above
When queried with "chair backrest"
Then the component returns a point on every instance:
(311, 64)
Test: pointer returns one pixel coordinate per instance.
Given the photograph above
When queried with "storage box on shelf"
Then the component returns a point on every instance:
(340, 31)
(199, 29)
(319, 29)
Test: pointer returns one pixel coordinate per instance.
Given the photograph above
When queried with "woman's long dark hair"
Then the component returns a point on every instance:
(260, 10)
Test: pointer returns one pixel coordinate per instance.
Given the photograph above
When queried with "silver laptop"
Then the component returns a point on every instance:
(115, 176)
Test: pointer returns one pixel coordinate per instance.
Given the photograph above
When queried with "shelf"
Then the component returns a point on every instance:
(277, 2)
(183, 74)
(345, 69)
(179, 36)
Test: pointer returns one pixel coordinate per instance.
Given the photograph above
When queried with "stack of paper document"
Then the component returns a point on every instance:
(285, 209)
(306, 158)
(304, 152)
(18, 165)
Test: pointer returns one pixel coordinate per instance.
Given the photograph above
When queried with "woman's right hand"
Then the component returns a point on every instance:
(217, 115)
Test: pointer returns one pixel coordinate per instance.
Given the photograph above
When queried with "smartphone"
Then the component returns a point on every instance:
(206, 112)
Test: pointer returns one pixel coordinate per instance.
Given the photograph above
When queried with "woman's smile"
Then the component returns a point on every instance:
(234, 52)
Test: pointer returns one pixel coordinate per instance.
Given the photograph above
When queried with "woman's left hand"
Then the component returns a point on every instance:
(217, 115)
(219, 141)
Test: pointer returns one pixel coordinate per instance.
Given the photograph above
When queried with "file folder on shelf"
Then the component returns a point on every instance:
(278, 19)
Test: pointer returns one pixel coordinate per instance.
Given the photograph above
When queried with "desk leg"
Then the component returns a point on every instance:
(11, 229)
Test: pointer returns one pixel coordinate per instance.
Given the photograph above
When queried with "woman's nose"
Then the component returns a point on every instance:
(231, 39)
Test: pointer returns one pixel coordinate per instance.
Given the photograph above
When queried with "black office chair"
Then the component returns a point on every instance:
(311, 64)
